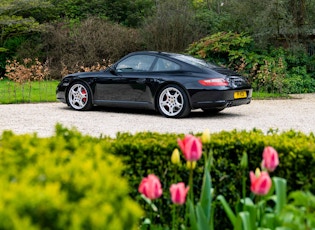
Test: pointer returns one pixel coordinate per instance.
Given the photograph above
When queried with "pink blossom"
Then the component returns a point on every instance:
(178, 193)
(191, 147)
(150, 186)
(270, 159)
(260, 182)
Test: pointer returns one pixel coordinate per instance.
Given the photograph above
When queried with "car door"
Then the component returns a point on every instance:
(128, 82)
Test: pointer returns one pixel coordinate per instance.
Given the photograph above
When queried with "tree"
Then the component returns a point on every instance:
(173, 26)
(13, 25)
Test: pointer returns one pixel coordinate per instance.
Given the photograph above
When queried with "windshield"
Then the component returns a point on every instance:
(194, 61)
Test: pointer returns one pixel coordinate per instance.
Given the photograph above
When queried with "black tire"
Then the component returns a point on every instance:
(79, 96)
(173, 102)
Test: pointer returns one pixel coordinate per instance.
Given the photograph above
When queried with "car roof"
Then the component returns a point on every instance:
(185, 58)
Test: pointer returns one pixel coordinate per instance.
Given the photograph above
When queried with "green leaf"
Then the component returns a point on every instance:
(205, 197)
(2, 49)
(243, 221)
(269, 220)
(250, 207)
(192, 215)
(227, 209)
(202, 222)
(281, 193)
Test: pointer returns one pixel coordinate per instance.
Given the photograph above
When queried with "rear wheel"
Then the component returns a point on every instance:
(79, 96)
(172, 101)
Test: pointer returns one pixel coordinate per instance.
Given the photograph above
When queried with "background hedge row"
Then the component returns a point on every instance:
(74, 180)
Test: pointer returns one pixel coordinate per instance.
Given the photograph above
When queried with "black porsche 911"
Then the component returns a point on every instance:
(173, 84)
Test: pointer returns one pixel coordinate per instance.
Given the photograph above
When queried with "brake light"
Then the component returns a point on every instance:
(214, 82)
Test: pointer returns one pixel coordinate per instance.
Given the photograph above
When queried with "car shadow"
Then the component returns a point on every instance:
(194, 113)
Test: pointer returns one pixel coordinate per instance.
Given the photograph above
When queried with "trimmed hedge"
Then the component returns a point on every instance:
(68, 181)
(145, 153)
(63, 180)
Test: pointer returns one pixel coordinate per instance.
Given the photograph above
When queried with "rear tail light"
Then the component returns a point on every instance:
(214, 82)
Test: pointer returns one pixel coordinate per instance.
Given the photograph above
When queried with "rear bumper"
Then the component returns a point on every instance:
(219, 99)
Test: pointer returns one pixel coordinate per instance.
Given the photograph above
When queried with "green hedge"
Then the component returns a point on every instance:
(68, 181)
(65, 179)
(146, 153)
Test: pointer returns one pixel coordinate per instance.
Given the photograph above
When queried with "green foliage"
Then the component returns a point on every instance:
(273, 71)
(299, 213)
(146, 153)
(68, 181)
(225, 48)
(172, 28)
(128, 13)
(63, 176)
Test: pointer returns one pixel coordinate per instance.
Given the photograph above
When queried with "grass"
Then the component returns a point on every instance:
(266, 96)
(45, 91)
(30, 92)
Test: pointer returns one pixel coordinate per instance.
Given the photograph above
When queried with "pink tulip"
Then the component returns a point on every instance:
(191, 147)
(260, 182)
(270, 159)
(151, 187)
(178, 193)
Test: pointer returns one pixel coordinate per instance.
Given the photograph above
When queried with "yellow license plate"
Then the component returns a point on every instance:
(240, 94)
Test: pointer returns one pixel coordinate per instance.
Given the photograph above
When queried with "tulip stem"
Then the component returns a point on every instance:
(191, 191)
(174, 224)
(244, 188)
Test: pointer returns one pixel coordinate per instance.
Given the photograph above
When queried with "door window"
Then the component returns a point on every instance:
(136, 63)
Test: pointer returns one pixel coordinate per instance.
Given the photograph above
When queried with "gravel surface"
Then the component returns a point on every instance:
(297, 113)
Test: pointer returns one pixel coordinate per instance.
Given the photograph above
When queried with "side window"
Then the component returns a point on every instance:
(165, 65)
(136, 63)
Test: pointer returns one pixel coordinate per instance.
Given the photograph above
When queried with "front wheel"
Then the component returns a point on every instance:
(79, 96)
(173, 102)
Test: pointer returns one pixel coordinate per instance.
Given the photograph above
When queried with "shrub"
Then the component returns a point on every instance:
(172, 28)
(275, 70)
(72, 167)
(146, 153)
(68, 181)
(29, 70)
(75, 44)
(21, 78)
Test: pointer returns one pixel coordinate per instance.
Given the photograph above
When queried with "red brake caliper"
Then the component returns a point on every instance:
(83, 91)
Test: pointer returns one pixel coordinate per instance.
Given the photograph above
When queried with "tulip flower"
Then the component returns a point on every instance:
(151, 187)
(260, 182)
(178, 193)
(175, 157)
(191, 164)
(191, 147)
(270, 159)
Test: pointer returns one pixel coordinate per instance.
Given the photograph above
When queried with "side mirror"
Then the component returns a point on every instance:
(112, 70)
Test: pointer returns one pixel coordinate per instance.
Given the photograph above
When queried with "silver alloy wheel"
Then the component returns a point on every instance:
(78, 96)
(171, 101)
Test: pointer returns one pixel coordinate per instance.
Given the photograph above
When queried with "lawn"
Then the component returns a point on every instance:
(30, 92)
(45, 91)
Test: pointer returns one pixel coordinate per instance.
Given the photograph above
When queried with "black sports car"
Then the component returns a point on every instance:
(170, 83)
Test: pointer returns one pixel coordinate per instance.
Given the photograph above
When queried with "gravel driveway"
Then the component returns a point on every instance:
(297, 114)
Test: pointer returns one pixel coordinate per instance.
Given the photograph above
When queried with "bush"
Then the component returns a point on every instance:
(75, 44)
(68, 181)
(274, 71)
(71, 167)
(172, 28)
(146, 153)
